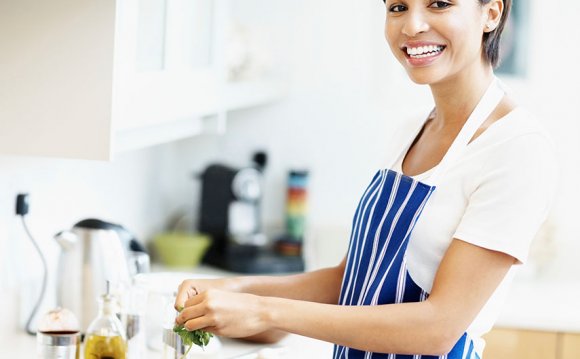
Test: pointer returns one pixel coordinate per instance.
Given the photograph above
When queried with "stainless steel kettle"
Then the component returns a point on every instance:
(92, 253)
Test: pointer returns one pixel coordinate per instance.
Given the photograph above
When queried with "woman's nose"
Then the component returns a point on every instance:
(415, 23)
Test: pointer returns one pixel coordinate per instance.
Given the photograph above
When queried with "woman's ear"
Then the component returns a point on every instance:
(493, 10)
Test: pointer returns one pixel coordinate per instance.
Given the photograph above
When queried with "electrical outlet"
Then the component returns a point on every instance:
(22, 204)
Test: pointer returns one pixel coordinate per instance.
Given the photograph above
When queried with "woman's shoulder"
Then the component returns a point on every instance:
(515, 146)
(518, 127)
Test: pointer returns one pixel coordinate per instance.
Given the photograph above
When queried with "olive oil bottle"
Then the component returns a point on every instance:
(105, 337)
(105, 347)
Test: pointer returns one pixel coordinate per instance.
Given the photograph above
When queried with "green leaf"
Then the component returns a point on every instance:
(198, 337)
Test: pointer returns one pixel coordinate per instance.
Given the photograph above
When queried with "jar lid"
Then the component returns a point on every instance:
(59, 320)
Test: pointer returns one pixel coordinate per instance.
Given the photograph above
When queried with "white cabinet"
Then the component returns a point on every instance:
(56, 77)
(166, 78)
(88, 78)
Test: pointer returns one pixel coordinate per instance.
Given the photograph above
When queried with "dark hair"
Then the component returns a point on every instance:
(491, 40)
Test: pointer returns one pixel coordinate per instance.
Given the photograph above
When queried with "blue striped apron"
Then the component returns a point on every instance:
(376, 270)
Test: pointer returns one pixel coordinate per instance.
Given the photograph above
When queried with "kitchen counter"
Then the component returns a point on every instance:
(293, 346)
(22, 345)
(546, 306)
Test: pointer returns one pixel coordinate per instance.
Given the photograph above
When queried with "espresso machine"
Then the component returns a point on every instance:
(230, 212)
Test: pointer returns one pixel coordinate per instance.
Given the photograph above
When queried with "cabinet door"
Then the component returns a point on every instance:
(520, 344)
(165, 69)
(570, 346)
(56, 77)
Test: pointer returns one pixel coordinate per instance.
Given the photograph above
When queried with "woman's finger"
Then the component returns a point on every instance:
(185, 291)
(198, 323)
(181, 296)
(193, 300)
(212, 330)
(189, 313)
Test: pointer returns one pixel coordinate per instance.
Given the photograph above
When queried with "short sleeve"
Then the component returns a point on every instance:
(513, 196)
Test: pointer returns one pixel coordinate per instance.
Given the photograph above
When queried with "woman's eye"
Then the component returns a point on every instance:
(440, 4)
(397, 8)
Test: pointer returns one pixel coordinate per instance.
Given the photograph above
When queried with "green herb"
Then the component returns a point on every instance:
(198, 337)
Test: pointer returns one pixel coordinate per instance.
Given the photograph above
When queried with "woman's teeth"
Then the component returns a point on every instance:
(424, 51)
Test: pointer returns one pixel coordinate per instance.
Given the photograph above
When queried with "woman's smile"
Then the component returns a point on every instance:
(422, 53)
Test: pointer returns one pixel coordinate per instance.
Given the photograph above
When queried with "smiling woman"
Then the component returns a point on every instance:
(437, 235)
(460, 31)
(492, 37)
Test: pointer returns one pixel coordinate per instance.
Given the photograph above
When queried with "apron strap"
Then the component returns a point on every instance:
(488, 102)
(492, 97)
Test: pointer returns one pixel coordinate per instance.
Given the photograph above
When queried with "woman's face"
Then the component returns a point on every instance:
(434, 40)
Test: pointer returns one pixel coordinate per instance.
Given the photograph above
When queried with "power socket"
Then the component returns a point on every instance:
(22, 204)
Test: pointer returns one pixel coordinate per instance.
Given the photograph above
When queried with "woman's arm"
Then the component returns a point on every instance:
(321, 286)
(466, 278)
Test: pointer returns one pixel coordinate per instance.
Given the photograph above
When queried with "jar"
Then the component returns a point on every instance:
(58, 335)
(173, 348)
(58, 345)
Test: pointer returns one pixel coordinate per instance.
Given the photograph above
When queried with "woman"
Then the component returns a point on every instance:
(473, 184)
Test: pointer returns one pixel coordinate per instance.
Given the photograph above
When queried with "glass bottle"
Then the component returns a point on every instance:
(132, 317)
(105, 337)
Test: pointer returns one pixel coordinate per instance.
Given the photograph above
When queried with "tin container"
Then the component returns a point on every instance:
(58, 345)
(173, 347)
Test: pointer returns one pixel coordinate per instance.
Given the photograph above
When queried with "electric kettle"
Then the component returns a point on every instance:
(92, 253)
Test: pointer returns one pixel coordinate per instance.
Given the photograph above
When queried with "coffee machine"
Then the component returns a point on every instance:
(230, 212)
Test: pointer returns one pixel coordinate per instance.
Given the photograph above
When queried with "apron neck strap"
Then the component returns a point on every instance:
(488, 102)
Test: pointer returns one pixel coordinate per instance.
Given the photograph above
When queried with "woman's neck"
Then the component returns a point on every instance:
(456, 98)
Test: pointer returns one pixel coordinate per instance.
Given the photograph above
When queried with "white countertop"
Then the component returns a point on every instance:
(21, 345)
(545, 306)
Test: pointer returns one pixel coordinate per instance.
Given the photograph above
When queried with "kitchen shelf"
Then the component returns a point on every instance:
(234, 96)
(141, 137)
(246, 94)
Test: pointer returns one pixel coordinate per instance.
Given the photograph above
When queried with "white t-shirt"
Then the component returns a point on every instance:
(496, 196)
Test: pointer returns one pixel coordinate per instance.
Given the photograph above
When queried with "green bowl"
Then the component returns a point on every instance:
(181, 249)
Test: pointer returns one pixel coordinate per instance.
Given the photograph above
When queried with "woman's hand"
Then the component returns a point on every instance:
(224, 313)
(191, 287)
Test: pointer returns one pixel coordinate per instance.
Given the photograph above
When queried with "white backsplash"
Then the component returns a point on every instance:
(135, 190)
